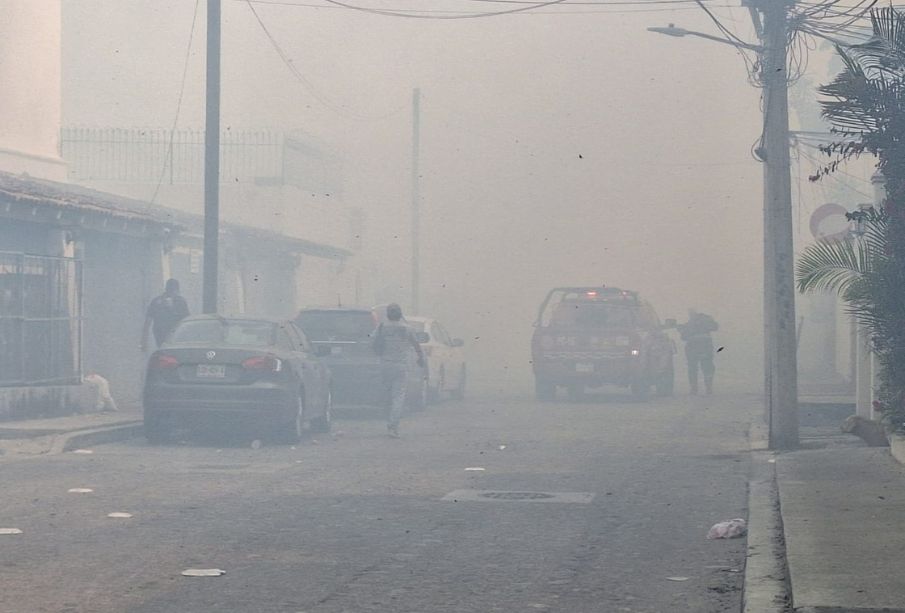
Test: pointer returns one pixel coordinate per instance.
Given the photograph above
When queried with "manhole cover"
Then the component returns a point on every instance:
(516, 495)
(490, 496)
(219, 466)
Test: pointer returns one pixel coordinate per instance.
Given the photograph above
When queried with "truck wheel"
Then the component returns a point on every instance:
(640, 389)
(667, 383)
(544, 390)
(576, 392)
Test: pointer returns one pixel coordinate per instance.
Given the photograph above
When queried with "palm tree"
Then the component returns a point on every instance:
(865, 104)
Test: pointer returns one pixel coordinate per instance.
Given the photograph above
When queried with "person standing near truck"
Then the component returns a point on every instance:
(699, 349)
(392, 342)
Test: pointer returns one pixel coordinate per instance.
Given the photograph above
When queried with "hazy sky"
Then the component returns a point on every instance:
(556, 149)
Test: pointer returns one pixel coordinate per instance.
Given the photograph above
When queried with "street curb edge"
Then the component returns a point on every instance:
(99, 436)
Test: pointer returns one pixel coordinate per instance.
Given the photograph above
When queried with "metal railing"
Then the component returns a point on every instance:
(40, 320)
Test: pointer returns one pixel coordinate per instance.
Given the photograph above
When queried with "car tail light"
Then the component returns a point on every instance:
(164, 362)
(263, 362)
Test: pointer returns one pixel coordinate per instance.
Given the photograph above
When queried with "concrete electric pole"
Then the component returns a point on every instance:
(771, 22)
(212, 161)
(416, 201)
(779, 256)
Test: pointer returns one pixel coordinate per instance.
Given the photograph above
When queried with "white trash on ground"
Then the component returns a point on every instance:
(80, 490)
(119, 515)
(730, 529)
(475, 469)
(10, 531)
(203, 572)
(678, 578)
(83, 451)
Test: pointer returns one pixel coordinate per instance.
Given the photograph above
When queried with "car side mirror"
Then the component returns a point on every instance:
(322, 351)
(422, 337)
(457, 342)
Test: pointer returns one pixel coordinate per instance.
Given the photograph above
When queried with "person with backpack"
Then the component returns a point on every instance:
(699, 348)
(392, 341)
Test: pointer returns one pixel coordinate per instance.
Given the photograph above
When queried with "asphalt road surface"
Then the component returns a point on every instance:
(357, 522)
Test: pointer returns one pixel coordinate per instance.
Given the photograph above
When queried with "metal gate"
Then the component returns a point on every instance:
(40, 320)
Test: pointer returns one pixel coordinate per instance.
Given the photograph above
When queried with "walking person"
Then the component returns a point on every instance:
(699, 348)
(164, 314)
(393, 340)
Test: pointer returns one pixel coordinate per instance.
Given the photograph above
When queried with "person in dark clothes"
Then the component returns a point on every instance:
(164, 313)
(699, 348)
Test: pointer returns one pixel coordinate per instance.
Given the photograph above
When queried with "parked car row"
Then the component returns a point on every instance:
(286, 376)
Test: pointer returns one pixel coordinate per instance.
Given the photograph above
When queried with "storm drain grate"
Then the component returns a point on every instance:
(517, 496)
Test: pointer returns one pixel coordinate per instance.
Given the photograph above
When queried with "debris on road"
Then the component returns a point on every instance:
(83, 451)
(10, 531)
(475, 469)
(678, 578)
(203, 572)
(502, 447)
(256, 444)
(80, 490)
(119, 515)
(730, 529)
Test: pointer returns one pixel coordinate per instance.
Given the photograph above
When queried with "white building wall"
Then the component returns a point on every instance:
(30, 79)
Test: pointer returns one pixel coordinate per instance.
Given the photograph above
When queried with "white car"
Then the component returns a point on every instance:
(445, 357)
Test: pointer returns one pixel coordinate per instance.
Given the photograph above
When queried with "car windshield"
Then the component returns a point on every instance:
(593, 315)
(224, 332)
(336, 325)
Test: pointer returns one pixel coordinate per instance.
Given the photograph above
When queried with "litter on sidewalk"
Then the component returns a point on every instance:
(10, 531)
(83, 451)
(729, 529)
(80, 490)
(119, 515)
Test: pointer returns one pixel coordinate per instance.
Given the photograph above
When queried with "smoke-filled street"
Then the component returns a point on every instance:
(357, 521)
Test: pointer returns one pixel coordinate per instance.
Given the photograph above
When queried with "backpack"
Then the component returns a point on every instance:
(379, 344)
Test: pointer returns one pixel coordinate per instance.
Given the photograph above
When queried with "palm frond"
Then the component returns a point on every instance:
(831, 266)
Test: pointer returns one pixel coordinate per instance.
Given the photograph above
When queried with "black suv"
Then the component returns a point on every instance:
(594, 336)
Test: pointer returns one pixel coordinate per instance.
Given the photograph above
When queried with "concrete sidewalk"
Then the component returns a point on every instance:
(841, 506)
(842, 511)
(59, 434)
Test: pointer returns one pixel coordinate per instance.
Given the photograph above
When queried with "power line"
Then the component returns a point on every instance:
(185, 69)
(304, 81)
(392, 13)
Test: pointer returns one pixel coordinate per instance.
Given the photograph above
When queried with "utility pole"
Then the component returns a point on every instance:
(779, 256)
(416, 201)
(212, 161)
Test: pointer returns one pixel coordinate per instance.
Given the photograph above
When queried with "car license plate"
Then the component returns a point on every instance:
(211, 371)
(584, 367)
(336, 350)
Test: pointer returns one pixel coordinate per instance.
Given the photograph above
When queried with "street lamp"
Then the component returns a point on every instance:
(672, 30)
(857, 219)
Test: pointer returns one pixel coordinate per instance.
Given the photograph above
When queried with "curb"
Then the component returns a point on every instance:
(97, 436)
(766, 587)
(897, 446)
